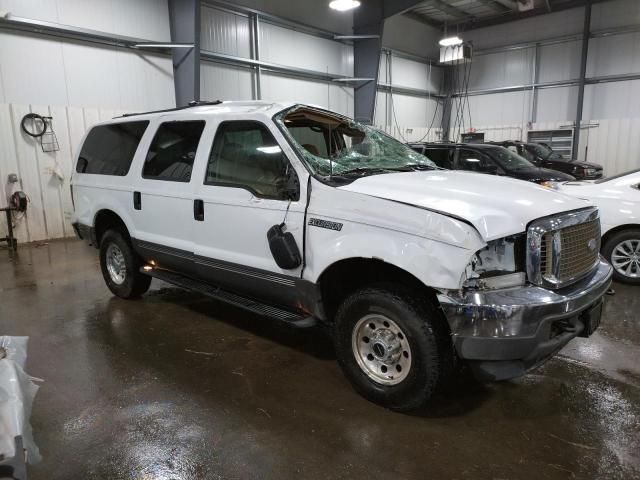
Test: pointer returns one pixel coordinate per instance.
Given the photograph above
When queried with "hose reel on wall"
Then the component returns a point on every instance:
(37, 126)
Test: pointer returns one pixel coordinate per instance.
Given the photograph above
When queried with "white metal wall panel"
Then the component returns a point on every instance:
(541, 27)
(560, 61)
(613, 143)
(409, 73)
(615, 14)
(288, 47)
(68, 73)
(501, 69)
(557, 104)
(50, 208)
(225, 82)
(612, 100)
(326, 95)
(225, 32)
(613, 55)
(148, 19)
(408, 118)
(407, 35)
(498, 108)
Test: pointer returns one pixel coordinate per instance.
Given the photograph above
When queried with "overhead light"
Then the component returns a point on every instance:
(450, 41)
(344, 5)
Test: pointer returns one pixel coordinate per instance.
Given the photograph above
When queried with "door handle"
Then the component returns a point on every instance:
(198, 210)
(137, 201)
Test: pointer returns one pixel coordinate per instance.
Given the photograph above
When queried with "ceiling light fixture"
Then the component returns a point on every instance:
(344, 5)
(450, 41)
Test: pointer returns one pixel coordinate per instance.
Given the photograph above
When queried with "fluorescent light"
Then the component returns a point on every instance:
(450, 41)
(344, 5)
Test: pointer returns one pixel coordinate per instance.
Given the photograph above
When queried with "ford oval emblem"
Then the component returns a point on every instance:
(592, 244)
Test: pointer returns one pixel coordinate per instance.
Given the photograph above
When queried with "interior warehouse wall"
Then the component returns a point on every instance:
(611, 110)
(408, 117)
(229, 33)
(77, 84)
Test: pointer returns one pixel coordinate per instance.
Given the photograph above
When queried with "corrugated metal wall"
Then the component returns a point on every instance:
(77, 84)
(615, 107)
(228, 32)
(409, 118)
(49, 211)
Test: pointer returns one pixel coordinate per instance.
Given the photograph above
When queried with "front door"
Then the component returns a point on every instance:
(249, 186)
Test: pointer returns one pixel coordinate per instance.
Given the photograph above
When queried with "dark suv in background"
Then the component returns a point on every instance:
(543, 156)
(486, 158)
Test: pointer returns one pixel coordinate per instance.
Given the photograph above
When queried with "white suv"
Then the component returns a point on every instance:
(306, 216)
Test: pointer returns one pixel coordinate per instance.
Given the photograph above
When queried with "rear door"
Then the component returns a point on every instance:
(163, 200)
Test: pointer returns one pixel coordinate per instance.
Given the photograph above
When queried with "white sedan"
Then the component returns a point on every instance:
(618, 199)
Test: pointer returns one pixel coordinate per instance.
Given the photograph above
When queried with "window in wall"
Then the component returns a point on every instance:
(173, 151)
(246, 155)
(109, 149)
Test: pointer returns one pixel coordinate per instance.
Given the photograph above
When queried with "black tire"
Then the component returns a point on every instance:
(609, 246)
(134, 283)
(425, 328)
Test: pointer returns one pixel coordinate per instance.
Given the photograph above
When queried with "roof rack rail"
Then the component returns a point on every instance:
(193, 103)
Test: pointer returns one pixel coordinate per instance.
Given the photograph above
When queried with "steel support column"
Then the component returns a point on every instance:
(582, 79)
(184, 23)
(367, 20)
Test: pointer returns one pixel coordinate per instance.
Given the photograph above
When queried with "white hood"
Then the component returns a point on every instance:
(496, 206)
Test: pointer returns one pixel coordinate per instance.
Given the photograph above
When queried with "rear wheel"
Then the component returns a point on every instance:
(394, 348)
(622, 251)
(121, 266)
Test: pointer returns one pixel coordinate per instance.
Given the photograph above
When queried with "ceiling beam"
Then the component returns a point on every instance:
(449, 9)
(395, 7)
(495, 6)
(424, 19)
(511, 17)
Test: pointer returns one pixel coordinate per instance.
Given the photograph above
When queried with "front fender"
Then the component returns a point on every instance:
(431, 246)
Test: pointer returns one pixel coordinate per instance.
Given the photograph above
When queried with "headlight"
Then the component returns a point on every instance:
(590, 171)
(550, 184)
(498, 265)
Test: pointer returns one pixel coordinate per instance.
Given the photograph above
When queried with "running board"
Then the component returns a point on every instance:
(295, 319)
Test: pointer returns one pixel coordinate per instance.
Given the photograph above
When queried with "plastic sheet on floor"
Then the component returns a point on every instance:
(17, 391)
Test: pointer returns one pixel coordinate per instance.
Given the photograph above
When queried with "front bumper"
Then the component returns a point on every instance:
(503, 333)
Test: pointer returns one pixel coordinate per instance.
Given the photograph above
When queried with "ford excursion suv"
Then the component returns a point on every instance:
(307, 217)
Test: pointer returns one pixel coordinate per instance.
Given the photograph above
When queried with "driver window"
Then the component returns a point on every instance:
(246, 155)
(475, 161)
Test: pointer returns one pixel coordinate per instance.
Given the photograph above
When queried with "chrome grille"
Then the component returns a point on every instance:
(563, 249)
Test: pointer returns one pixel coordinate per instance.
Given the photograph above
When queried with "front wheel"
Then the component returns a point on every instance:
(394, 348)
(121, 266)
(622, 251)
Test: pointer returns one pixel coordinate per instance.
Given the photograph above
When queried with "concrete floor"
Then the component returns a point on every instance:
(177, 386)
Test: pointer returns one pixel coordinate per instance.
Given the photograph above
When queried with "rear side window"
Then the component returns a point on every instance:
(173, 151)
(109, 149)
(440, 156)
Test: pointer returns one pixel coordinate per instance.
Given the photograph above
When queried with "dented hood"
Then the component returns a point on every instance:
(495, 206)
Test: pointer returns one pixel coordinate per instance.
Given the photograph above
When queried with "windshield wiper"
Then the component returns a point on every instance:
(364, 170)
(418, 166)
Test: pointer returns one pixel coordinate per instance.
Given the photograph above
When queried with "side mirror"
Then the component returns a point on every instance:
(284, 248)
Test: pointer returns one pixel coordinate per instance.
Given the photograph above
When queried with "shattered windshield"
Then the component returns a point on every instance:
(334, 145)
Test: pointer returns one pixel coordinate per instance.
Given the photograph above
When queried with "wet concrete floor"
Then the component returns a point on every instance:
(177, 386)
